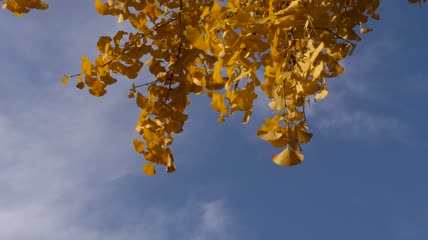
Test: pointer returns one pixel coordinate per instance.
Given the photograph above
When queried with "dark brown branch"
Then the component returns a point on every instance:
(142, 85)
(157, 26)
(178, 51)
(335, 34)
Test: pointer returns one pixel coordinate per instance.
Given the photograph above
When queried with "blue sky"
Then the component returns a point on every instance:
(68, 169)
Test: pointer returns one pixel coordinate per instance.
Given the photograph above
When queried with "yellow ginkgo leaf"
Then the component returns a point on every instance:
(141, 100)
(196, 38)
(120, 18)
(86, 66)
(317, 51)
(318, 69)
(139, 146)
(171, 168)
(277, 104)
(101, 7)
(220, 119)
(80, 85)
(64, 80)
(217, 70)
(303, 137)
(365, 30)
(375, 16)
(322, 94)
(246, 117)
(217, 103)
(288, 157)
(267, 136)
(131, 94)
(149, 169)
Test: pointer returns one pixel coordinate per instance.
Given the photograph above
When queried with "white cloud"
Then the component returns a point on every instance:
(215, 224)
(56, 152)
(337, 116)
(37, 221)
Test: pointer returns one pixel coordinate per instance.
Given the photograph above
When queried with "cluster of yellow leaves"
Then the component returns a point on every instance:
(216, 48)
(19, 7)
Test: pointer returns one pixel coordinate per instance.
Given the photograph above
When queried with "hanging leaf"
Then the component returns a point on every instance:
(322, 94)
(149, 169)
(288, 157)
(139, 146)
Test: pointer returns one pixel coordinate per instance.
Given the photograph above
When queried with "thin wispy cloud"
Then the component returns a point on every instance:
(216, 222)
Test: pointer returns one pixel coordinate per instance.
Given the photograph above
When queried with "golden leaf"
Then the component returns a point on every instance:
(131, 94)
(220, 119)
(317, 51)
(64, 80)
(171, 168)
(149, 169)
(322, 94)
(246, 117)
(101, 7)
(303, 137)
(139, 146)
(268, 136)
(277, 104)
(120, 18)
(217, 103)
(217, 71)
(98, 89)
(318, 69)
(196, 38)
(288, 157)
(86, 66)
(365, 30)
(80, 85)
(141, 100)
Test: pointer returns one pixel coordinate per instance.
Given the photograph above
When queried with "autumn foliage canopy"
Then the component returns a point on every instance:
(217, 48)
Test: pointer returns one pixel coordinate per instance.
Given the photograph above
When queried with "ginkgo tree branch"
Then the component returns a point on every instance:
(180, 45)
(157, 26)
(335, 34)
(142, 85)
(66, 78)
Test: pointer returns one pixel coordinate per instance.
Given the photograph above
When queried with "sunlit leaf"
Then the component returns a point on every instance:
(86, 66)
(288, 157)
(171, 168)
(322, 94)
(141, 100)
(218, 104)
(101, 7)
(303, 137)
(80, 85)
(64, 80)
(139, 146)
(149, 169)
(271, 135)
(195, 37)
